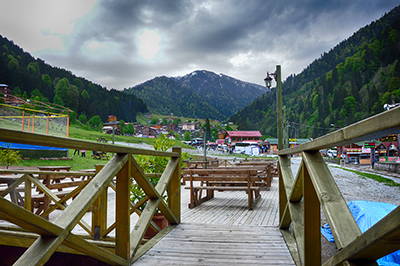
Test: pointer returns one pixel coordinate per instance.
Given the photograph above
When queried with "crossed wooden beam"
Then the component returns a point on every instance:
(54, 234)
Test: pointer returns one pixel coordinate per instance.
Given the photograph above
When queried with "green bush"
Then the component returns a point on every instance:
(8, 157)
(154, 164)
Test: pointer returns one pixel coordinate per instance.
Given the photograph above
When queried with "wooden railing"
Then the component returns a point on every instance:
(300, 200)
(51, 236)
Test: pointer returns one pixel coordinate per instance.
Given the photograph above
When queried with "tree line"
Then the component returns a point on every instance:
(36, 79)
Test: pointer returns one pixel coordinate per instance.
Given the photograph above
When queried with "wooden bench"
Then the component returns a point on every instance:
(264, 175)
(222, 179)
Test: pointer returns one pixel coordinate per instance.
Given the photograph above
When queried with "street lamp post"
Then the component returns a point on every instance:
(268, 80)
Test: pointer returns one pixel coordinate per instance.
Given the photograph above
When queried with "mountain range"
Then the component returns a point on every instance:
(200, 94)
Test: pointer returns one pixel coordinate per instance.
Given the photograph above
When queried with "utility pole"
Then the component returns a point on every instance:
(279, 106)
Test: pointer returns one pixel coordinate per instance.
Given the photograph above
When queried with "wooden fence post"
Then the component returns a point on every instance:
(99, 211)
(122, 211)
(174, 188)
(312, 223)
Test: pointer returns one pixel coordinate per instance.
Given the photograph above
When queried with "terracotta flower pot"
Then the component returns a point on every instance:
(160, 220)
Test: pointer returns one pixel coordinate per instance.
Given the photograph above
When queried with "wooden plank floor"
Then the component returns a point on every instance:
(212, 244)
(222, 231)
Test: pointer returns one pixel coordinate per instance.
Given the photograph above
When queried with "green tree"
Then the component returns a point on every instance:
(72, 117)
(85, 95)
(130, 129)
(95, 122)
(17, 91)
(122, 126)
(186, 136)
(394, 84)
(82, 118)
(46, 79)
(154, 121)
(8, 157)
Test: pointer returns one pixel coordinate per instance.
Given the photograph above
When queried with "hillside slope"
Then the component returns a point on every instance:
(200, 94)
(24, 73)
(166, 96)
(349, 83)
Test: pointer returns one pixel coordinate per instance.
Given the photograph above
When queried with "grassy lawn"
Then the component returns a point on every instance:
(77, 163)
(84, 132)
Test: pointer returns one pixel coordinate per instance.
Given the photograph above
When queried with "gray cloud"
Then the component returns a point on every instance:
(209, 34)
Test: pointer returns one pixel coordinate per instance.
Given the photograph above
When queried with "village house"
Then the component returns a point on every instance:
(149, 131)
(188, 126)
(242, 136)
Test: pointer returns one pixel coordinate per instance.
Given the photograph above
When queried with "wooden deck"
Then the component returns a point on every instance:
(212, 244)
(222, 231)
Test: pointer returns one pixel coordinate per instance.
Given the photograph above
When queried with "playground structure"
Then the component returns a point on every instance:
(34, 116)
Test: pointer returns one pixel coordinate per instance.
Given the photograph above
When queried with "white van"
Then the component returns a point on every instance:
(240, 147)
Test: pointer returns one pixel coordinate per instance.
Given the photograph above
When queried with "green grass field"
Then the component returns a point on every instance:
(83, 132)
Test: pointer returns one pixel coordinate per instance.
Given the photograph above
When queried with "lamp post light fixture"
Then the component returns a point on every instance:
(268, 80)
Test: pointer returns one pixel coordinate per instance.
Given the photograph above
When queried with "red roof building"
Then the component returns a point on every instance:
(243, 136)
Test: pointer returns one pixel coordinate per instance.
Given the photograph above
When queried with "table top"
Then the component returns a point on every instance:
(54, 168)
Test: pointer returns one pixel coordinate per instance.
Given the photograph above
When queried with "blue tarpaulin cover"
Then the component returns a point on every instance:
(17, 146)
(366, 214)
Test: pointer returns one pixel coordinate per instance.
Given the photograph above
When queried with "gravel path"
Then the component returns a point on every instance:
(356, 187)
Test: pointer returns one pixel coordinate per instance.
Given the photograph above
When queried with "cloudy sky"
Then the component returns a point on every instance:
(119, 44)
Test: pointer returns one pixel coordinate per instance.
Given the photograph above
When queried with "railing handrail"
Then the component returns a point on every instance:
(38, 172)
(379, 125)
(15, 136)
(314, 188)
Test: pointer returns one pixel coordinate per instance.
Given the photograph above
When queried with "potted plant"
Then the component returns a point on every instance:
(153, 164)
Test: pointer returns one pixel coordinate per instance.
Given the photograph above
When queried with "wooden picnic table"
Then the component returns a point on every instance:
(100, 155)
(54, 168)
(14, 194)
(222, 179)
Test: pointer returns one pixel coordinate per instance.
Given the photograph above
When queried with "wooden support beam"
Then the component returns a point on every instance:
(312, 223)
(44, 247)
(376, 126)
(296, 193)
(142, 224)
(143, 181)
(295, 208)
(36, 224)
(343, 226)
(174, 190)
(122, 214)
(99, 211)
(18, 136)
(28, 194)
(13, 186)
(380, 240)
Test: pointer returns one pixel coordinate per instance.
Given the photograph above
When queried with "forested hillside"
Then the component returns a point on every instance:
(24, 73)
(165, 96)
(200, 94)
(349, 83)
(225, 93)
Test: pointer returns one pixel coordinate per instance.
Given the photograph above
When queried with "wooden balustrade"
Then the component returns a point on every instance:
(51, 236)
(300, 200)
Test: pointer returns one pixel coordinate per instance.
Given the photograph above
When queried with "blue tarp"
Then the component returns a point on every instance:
(17, 146)
(366, 214)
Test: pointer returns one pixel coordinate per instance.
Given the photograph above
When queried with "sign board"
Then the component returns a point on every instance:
(369, 145)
